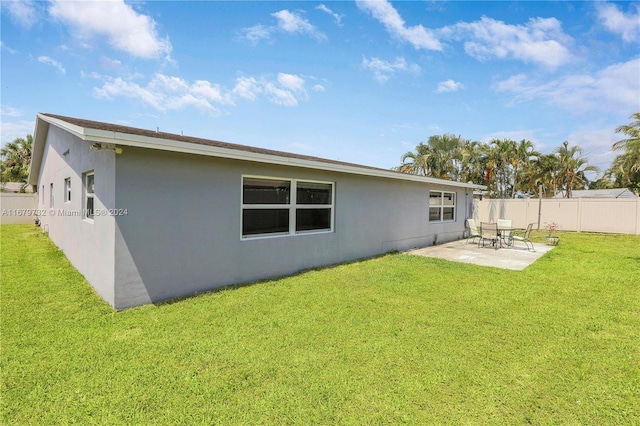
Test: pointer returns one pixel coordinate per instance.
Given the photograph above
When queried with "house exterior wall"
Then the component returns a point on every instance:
(89, 246)
(182, 230)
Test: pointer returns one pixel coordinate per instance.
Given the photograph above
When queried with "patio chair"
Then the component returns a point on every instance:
(473, 230)
(489, 231)
(525, 239)
(505, 235)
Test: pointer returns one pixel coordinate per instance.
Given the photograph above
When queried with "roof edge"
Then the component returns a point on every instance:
(230, 151)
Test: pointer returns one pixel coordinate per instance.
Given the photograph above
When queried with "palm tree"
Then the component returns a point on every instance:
(15, 160)
(440, 157)
(572, 167)
(499, 155)
(626, 166)
(416, 163)
(524, 153)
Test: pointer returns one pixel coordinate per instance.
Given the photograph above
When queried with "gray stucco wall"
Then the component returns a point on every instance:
(181, 233)
(88, 246)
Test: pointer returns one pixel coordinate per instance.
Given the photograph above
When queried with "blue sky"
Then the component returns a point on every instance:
(361, 81)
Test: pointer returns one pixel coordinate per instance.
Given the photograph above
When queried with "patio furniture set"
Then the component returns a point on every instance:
(500, 234)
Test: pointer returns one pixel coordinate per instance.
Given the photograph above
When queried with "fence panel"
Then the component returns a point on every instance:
(17, 208)
(618, 216)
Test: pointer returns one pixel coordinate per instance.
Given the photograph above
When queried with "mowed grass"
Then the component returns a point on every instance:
(391, 340)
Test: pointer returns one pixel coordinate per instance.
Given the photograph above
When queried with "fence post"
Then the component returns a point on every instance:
(579, 218)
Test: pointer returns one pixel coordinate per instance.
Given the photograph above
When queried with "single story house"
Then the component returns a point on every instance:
(599, 193)
(148, 216)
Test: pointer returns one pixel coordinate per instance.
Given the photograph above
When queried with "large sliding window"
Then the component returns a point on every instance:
(442, 206)
(272, 206)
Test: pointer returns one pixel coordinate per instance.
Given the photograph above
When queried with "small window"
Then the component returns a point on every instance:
(273, 206)
(51, 195)
(42, 196)
(89, 194)
(67, 190)
(442, 206)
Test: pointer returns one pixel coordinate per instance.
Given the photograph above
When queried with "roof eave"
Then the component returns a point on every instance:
(126, 139)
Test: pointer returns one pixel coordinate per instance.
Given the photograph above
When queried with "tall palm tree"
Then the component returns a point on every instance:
(572, 167)
(416, 162)
(499, 155)
(627, 164)
(523, 155)
(440, 157)
(15, 160)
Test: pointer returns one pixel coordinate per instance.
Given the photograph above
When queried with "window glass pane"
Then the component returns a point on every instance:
(435, 198)
(67, 189)
(449, 198)
(264, 221)
(447, 213)
(89, 211)
(434, 214)
(313, 193)
(90, 184)
(265, 191)
(313, 219)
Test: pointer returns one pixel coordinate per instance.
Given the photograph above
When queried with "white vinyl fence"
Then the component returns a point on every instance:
(617, 216)
(17, 208)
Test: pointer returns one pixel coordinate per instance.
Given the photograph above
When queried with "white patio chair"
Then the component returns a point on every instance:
(489, 231)
(525, 239)
(473, 230)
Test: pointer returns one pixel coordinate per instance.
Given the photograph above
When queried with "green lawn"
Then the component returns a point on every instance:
(396, 339)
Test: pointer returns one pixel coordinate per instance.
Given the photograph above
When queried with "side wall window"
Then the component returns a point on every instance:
(442, 206)
(272, 206)
(67, 190)
(51, 195)
(88, 189)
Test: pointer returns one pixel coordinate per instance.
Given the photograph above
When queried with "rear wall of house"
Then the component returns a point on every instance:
(182, 231)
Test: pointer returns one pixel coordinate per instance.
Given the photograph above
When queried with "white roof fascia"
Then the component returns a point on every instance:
(126, 139)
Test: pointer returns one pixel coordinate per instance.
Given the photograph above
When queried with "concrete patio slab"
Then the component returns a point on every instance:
(516, 258)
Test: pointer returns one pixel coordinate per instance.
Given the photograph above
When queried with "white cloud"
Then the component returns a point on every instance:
(318, 88)
(22, 12)
(287, 22)
(614, 88)
(540, 41)
(164, 93)
(124, 28)
(10, 130)
(418, 36)
(449, 86)
(7, 111)
(336, 16)
(7, 48)
(49, 61)
(110, 65)
(616, 21)
(257, 32)
(293, 23)
(384, 70)
(247, 88)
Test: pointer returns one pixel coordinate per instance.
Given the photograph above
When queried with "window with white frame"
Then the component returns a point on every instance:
(67, 190)
(442, 206)
(273, 206)
(51, 195)
(89, 194)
